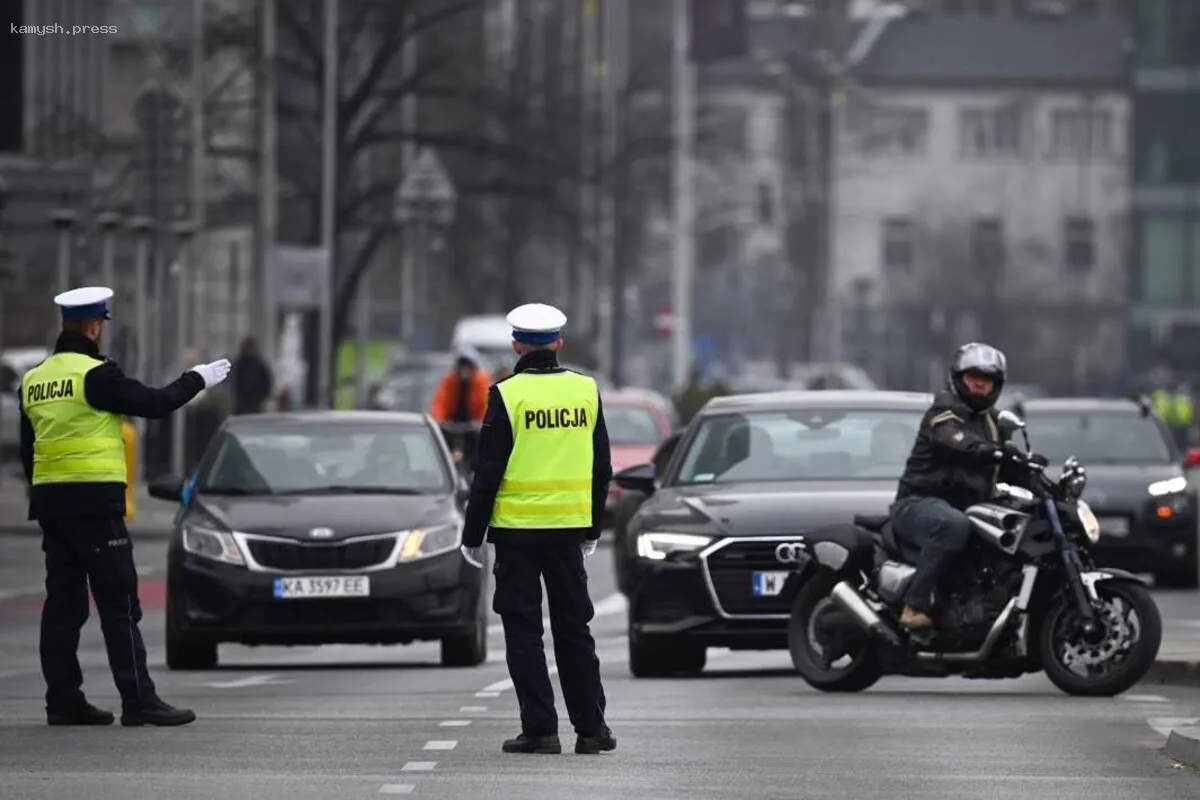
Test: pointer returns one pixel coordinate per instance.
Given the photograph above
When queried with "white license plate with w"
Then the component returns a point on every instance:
(769, 584)
(331, 586)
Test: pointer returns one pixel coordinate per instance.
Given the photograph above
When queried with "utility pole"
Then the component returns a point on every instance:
(328, 202)
(585, 287)
(268, 193)
(615, 33)
(195, 272)
(683, 91)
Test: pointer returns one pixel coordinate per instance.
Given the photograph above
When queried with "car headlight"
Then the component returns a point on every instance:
(1169, 486)
(213, 545)
(421, 543)
(1091, 525)
(656, 546)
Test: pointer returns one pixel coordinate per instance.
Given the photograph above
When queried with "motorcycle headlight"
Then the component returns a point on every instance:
(657, 545)
(1169, 486)
(426, 542)
(1091, 525)
(212, 544)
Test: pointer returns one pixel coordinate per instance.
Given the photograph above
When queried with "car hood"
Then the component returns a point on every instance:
(1121, 486)
(766, 509)
(345, 515)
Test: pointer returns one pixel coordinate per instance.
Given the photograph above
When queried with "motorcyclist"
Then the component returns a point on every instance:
(959, 456)
(461, 397)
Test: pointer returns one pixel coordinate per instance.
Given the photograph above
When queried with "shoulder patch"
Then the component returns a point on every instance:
(944, 416)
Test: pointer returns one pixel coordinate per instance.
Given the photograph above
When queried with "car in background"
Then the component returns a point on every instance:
(322, 527)
(1137, 484)
(411, 382)
(14, 363)
(637, 422)
(749, 472)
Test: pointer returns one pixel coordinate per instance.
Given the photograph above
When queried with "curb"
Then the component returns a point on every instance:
(1174, 672)
(1183, 745)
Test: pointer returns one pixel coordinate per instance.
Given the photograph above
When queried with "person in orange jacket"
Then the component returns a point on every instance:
(461, 397)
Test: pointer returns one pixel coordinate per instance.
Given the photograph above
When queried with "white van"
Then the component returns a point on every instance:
(490, 334)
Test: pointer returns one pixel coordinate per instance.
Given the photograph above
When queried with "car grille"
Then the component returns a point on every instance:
(730, 572)
(305, 556)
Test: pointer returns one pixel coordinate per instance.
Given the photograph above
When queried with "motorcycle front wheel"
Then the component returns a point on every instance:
(1114, 657)
(829, 650)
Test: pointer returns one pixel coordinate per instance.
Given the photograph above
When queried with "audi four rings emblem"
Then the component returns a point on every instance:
(789, 552)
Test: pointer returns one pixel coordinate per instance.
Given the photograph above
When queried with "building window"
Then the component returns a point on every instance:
(985, 132)
(1081, 133)
(1079, 243)
(894, 131)
(897, 247)
(1162, 248)
(987, 245)
(1168, 32)
(1164, 138)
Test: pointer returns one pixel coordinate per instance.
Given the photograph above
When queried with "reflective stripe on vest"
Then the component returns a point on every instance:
(72, 442)
(548, 482)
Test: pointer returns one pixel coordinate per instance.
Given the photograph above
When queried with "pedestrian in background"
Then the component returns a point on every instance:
(541, 478)
(74, 454)
(252, 381)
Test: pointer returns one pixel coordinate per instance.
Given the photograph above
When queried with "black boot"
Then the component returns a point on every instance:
(157, 713)
(598, 743)
(83, 714)
(547, 745)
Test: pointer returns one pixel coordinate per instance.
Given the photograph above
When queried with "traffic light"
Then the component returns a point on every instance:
(720, 30)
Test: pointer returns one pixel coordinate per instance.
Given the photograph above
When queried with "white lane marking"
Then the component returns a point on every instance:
(440, 744)
(419, 766)
(487, 694)
(454, 723)
(396, 788)
(604, 607)
(253, 680)
(1144, 698)
(473, 709)
(1164, 725)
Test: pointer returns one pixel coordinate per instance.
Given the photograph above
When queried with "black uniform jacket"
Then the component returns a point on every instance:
(954, 457)
(106, 388)
(495, 446)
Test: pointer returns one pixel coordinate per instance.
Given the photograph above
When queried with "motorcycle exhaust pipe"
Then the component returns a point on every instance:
(852, 603)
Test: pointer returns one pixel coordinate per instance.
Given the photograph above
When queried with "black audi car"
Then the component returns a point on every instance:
(1138, 483)
(319, 528)
(699, 562)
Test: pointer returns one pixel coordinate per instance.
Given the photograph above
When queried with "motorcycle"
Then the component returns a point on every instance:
(461, 438)
(1026, 598)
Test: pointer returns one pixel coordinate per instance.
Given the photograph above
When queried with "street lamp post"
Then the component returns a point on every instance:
(109, 222)
(185, 230)
(141, 228)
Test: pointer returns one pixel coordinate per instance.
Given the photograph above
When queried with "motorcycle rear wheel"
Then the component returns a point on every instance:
(864, 669)
(1061, 622)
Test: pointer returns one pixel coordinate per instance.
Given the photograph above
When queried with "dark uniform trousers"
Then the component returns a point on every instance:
(521, 564)
(95, 550)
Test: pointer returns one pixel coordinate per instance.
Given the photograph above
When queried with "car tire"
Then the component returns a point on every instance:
(664, 657)
(470, 649)
(184, 652)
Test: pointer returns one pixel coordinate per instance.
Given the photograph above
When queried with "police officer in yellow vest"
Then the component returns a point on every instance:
(73, 452)
(541, 475)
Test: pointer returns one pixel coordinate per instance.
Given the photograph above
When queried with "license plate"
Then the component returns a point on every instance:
(1114, 526)
(769, 584)
(333, 586)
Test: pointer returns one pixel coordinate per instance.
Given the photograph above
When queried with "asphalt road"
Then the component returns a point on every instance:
(347, 722)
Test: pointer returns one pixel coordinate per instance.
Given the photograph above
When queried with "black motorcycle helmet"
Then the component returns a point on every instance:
(978, 357)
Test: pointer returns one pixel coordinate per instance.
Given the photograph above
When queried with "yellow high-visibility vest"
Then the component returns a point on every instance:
(73, 442)
(548, 482)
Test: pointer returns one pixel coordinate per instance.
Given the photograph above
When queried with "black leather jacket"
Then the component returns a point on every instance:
(954, 457)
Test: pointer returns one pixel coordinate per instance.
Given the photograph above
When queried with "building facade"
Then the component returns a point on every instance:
(981, 190)
(1165, 319)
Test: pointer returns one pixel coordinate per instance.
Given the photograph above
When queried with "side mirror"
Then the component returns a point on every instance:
(639, 478)
(170, 488)
(1009, 422)
(666, 449)
(1191, 459)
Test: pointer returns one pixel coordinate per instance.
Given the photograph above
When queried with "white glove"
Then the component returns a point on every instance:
(213, 373)
(473, 555)
(589, 547)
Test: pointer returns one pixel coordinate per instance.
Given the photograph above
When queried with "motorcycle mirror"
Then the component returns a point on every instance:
(1009, 422)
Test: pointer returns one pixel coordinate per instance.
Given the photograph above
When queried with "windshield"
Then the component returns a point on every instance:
(629, 424)
(334, 458)
(800, 445)
(1098, 437)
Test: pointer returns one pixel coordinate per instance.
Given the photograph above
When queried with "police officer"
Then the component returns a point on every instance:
(541, 476)
(72, 449)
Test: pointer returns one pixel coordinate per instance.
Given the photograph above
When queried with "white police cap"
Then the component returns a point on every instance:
(85, 302)
(536, 323)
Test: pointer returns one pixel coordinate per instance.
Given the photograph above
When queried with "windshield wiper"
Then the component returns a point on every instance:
(345, 489)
